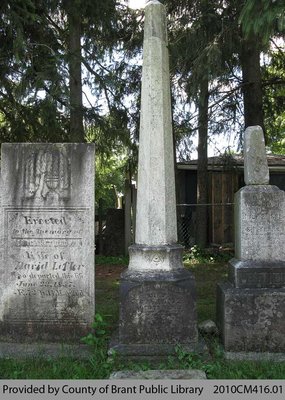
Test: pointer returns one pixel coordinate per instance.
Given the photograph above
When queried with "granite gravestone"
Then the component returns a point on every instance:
(47, 267)
(158, 303)
(251, 306)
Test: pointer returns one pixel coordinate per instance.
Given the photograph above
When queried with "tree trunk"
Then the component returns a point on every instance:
(252, 82)
(75, 83)
(202, 167)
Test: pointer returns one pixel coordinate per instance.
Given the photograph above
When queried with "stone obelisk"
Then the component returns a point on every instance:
(251, 305)
(158, 304)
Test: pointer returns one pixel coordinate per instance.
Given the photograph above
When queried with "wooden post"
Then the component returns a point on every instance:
(100, 234)
(128, 216)
(134, 210)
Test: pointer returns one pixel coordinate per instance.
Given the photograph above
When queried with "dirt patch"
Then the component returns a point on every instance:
(109, 271)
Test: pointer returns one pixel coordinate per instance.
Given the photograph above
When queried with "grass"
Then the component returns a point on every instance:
(63, 368)
(101, 260)
(208, 269)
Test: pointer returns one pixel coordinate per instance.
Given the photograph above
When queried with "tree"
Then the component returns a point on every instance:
(202, 167)
(252, 82)
(75, 75)
(200, 65)
(29, 69)
(259, 21)
(274, 100)
(110, 177)
(210, 48)
(265, 18)
(46, 44)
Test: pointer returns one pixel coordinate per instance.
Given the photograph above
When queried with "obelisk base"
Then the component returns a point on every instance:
(157, 307)
(155, 258)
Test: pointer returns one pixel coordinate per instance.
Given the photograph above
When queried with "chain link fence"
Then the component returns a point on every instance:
(220, 218)
(186, 222)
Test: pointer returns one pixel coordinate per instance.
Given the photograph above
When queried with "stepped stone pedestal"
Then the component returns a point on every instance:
(157, 298)
(251, 305)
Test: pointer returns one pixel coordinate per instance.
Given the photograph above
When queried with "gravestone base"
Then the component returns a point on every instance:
(251, 319)
(160, 374)
(155, 353)
(30, 332)
(254, 356)
(45, 350)
(157, 312)
(257, 274)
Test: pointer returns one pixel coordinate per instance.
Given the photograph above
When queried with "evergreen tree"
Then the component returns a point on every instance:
(31, 82)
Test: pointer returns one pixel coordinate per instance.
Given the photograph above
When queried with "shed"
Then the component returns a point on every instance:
(225, 178)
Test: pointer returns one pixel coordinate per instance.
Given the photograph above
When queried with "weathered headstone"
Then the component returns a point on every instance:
(158, 304)
(47, 268)
(251, 306)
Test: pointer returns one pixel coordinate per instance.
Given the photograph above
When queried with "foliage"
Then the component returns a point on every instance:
(30, 66)
(216, 367)
(274, 99)
(205, 256)
(96, 368)
(34, 84)
(98, 332)
(216, 37)
(200, 25)
(98, 340)
(263, 17)
(35, 75)
(110, 179)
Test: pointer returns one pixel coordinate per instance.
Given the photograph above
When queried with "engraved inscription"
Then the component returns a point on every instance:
(159, 302)
(262, 233)
(46, 227)
(44, 249)
(262, 279)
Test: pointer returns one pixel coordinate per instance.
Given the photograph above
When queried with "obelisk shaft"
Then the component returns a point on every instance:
(156, 203)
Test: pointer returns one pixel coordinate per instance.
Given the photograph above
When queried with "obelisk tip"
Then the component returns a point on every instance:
(149, 2)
